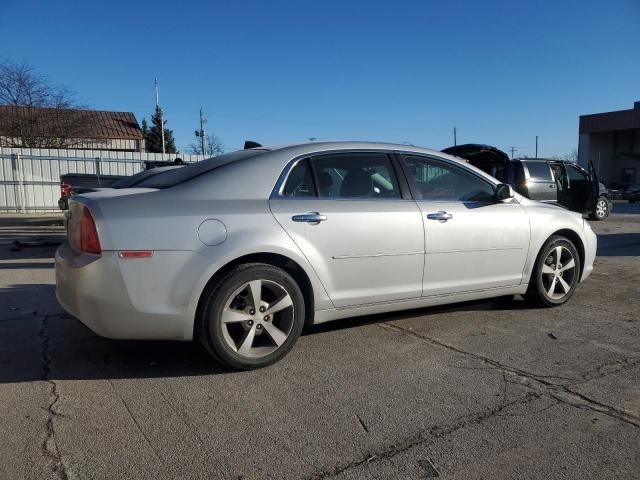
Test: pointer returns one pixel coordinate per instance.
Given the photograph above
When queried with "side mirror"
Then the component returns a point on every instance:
(503, 191)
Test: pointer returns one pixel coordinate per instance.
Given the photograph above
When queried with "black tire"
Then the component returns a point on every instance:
(600, 209)
(218, 336)
(542, 282)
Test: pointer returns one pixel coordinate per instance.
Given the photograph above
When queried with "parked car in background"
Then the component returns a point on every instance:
(76, 183)
(241, 250)
(546, 180)
(633, 194)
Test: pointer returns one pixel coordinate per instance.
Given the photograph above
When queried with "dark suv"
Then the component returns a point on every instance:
(546, 180)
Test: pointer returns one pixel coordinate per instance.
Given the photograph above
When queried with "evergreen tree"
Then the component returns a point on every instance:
(153, 135)
(145, 128)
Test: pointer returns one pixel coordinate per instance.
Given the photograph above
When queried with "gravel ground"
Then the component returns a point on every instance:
(494, 389)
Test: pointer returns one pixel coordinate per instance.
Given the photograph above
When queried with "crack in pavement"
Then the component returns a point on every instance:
(606, 369)
(49, 446)
(135, 421)
(538, 383)
(362, 424)
(425, 436)
(539, 386)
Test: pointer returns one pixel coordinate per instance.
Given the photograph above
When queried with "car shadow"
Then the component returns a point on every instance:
(505, 303)
(618, 245)
(35, 346)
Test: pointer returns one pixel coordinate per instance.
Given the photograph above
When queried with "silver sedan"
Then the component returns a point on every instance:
(240, 251)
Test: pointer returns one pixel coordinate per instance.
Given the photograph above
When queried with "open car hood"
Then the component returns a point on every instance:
(484, 157)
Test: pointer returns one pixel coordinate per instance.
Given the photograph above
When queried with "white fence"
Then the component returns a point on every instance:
(30, 178)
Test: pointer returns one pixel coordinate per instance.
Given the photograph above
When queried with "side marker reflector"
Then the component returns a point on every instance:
(135, 254)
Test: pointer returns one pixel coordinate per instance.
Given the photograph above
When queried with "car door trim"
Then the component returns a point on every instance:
(369, 255)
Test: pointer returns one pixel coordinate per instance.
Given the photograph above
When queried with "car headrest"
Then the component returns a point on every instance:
(357, 183)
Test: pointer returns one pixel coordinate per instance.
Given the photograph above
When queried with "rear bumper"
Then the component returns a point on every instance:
(125, 299)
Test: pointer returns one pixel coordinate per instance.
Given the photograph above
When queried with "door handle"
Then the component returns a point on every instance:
(441, 216)
(309, 217)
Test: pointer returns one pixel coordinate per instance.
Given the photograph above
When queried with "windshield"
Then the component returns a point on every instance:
(183, 174)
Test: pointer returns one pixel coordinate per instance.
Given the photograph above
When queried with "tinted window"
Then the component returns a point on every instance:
(539, 171)
(134, 180)
(439, 181)
(575, 174)
(300, 181)
(183, 174)
(355, 175)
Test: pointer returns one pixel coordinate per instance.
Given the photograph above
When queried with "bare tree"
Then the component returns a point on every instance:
(569, 157)
(33, 111)
(212, 146)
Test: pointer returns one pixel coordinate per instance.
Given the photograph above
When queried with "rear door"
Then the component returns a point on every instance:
(540, 182)
(346, 213)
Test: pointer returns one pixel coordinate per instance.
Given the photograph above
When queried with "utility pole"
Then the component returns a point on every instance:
(536, 146)
(455, 136)
(513, 150)
(160, 110)
(202, 131)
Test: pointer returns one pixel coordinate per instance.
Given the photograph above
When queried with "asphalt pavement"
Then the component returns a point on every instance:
(495, 389)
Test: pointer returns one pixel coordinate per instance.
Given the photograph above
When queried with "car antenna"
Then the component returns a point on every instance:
(251, 144)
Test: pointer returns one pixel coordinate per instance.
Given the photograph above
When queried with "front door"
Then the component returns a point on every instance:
(580, 195)
(346, 214)
(472, 242)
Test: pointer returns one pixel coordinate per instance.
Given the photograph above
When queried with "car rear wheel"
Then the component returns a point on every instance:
(253, 317)
(601, 210)
(556, 273)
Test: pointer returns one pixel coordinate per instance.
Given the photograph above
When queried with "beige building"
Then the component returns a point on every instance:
(611, 140)
(78, 129)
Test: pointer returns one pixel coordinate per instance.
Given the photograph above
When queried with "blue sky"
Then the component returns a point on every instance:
(284, 71)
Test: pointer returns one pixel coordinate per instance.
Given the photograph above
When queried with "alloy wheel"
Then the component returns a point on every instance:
(601, 208)
(558, 272)
(257, 318)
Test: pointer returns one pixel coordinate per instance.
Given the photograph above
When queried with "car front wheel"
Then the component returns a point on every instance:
(252, 317)
(556, 273)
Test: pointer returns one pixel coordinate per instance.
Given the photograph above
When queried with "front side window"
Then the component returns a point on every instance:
(438, 181)
(355, 175)
(576, 176)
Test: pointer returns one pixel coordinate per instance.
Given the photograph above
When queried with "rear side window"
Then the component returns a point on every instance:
(188, 172)
(539, 171)
(355, 175)
(300, 181)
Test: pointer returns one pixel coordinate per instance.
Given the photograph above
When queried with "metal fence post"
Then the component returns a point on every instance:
(23, 192)
(16, 181)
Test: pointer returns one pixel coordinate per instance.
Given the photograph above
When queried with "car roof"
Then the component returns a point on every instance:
(327, 146)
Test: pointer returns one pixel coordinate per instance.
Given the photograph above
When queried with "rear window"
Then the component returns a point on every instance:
(133, 180)
(539, 171)
(188, 172)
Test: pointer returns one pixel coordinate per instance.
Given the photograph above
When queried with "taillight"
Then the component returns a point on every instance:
(83, 234)
(65, 190)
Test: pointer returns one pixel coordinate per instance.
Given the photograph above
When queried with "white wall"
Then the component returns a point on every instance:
(30, 178)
